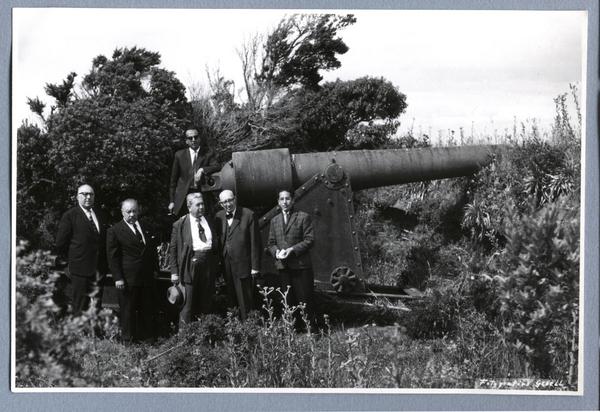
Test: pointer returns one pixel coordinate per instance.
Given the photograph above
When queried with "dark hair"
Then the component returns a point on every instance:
(291, 192)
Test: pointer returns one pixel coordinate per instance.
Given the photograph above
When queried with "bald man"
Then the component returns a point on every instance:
(81, 239)
(240, 250)
(133, 262)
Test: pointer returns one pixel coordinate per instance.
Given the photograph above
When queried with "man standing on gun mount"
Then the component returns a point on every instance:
(190, 166)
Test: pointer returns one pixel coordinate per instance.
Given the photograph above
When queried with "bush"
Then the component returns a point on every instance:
(50, 343)
(538, 283)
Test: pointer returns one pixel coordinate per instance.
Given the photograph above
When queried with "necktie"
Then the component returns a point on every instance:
(195, 168)
(285, 217)
(91, 219)
(195, 162)
(201, 232)
(138, 234)
(229, 215)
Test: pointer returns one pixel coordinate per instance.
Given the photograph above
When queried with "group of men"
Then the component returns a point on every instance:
(201, 247)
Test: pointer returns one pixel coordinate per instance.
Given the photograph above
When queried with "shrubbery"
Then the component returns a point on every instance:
(500, 249)
(50, 343)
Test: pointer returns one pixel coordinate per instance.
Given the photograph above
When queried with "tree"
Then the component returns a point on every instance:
(286, 105)
(293, 54)
(366, 106)
(115, 134)
(35, 185)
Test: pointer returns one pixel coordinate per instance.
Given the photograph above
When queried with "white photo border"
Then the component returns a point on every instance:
(338, 399)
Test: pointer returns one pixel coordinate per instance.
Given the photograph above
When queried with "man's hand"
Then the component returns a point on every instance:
(285, 253)
(198, 175)
(254, 272)
(171, 207)
(120, 284)
(174, 278)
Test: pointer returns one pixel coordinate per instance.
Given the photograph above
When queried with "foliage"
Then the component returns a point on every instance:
(286, 105)
(122, 123)
(436, 316)
(527, 176)
(292, 55)
(538, 281)
(35, 195)
(338, 107)
(300, 46)
(50, 344)
(500, 249)
(263, 351)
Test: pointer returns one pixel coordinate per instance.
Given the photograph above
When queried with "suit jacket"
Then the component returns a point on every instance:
(129, 259)
(181, 248)
(240, 243)
(298, 234)
(182, 173)
(83, 247)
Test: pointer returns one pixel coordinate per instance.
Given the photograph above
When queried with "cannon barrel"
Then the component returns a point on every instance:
(256, 175)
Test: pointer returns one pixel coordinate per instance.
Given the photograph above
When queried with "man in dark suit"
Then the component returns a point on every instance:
(133, 261)
(240, 250)
(290, 238)
(192, 258)
(81, 239)
(190, 165)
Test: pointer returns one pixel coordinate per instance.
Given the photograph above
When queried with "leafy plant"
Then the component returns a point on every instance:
(538, 281)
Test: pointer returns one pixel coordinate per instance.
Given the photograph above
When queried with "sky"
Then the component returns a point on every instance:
(478, 70)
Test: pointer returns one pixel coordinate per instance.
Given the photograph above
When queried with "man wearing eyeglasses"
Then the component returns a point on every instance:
(240, 250)
(81, 238)
(190, 166)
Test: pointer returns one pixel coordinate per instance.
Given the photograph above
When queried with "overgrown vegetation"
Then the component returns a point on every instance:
(501, 247)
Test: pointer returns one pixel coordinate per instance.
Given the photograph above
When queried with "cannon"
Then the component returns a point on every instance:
(323, 185)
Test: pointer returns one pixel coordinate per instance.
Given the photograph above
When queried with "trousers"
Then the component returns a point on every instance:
(240, 290)
(200, 292)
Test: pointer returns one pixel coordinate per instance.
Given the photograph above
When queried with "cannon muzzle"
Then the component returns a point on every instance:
(257, 176)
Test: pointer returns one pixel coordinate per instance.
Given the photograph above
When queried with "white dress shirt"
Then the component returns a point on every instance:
(230, 219)
(94, 218)
(139, 229)
(197, 244)
(193, 154)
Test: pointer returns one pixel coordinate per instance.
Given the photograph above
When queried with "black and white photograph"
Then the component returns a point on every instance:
(322, 201)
